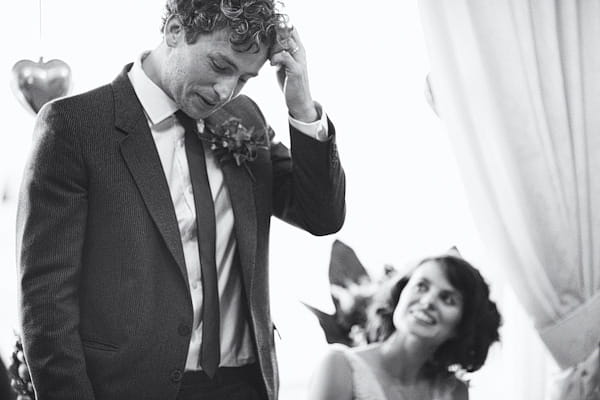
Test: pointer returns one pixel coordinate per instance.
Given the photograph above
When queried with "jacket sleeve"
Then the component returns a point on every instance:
(51, 224)
(309, 183)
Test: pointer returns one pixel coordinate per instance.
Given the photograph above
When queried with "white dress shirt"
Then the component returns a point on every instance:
(236, 339)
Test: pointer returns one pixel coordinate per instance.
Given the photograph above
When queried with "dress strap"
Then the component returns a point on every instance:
(365, 385)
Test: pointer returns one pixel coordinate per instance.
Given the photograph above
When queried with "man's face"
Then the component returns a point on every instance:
(202, 76)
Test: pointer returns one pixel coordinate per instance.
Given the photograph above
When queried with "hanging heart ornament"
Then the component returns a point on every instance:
(36, 83)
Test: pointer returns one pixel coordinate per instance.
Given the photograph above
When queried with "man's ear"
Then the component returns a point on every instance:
(174, 32)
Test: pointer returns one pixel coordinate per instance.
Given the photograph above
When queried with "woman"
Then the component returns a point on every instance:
(434, 323)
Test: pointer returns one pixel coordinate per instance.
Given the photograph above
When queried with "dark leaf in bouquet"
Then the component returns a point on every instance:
(334, 332)
(345, 267)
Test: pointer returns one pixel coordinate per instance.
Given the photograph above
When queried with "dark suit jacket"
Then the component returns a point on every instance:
(105, 302)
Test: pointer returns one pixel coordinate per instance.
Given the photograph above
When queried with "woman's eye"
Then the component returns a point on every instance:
(449, 300)
(421, 287)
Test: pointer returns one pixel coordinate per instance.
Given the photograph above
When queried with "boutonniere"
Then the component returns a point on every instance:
(232, 140)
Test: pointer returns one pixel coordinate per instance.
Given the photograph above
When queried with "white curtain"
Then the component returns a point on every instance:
(517, 84)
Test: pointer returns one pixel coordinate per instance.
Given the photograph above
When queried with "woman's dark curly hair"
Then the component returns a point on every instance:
(476, 331)
(251, 22)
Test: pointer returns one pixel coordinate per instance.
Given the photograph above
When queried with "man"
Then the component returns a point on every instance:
(143, 254)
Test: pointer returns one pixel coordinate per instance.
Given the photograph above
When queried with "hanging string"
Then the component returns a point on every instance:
(40, 28)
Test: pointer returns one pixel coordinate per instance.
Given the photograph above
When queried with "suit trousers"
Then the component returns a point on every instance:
(229, 383)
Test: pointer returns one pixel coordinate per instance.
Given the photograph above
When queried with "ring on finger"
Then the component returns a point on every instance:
(294, 50)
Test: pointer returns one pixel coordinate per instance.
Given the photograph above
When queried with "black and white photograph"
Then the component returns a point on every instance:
(300, 200)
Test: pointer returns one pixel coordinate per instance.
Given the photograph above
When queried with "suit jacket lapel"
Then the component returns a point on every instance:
(241, 192)
(142, 159)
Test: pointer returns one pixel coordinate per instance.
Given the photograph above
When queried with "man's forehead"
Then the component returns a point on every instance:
(244, 65)
(248, 62)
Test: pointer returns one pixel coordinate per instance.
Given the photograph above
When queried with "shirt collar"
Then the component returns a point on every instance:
(157, 105)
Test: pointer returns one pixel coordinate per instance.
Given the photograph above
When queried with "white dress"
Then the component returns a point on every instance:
(365, 385)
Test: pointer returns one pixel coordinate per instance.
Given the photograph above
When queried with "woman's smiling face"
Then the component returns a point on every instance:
(429, 306)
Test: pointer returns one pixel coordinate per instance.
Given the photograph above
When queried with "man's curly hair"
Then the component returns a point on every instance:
(476, 331)
(251, 23)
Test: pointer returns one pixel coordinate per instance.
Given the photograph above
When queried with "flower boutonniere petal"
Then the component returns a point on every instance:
(231, 139)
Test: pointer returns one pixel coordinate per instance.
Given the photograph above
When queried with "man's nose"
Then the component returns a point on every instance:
(225, 88)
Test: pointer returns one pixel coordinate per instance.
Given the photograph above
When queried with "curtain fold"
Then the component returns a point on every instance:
(517, 84)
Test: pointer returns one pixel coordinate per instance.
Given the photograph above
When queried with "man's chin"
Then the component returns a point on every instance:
(200, 114)
(213, 110)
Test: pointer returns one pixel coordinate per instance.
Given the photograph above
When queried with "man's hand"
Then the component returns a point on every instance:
(289, 56)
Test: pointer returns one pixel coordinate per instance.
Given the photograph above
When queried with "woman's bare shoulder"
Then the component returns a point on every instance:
(333, 377)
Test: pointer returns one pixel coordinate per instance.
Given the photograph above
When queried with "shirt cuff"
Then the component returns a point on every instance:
(317, 130)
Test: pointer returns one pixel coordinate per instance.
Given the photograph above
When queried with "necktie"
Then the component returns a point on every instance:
(210, 351)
